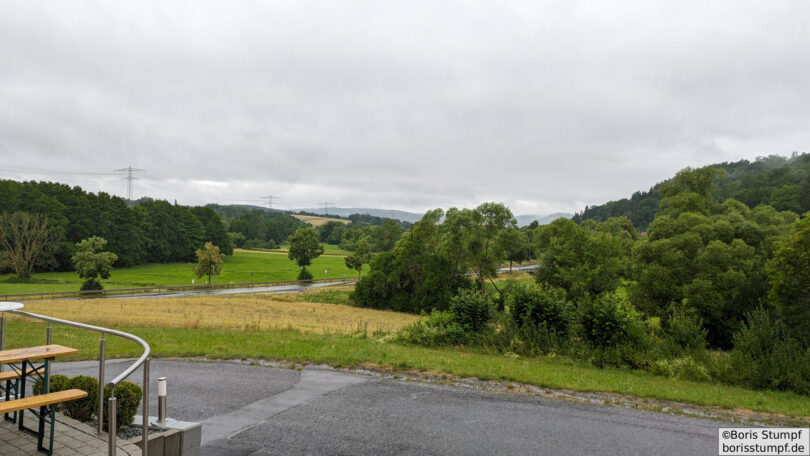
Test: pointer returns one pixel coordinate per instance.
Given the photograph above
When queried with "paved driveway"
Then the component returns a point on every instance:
(271, 411)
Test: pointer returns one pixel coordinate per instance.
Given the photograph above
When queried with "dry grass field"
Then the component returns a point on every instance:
(317, 221)
(237, 312)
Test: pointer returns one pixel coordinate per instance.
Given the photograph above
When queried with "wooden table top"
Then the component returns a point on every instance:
(41, 352)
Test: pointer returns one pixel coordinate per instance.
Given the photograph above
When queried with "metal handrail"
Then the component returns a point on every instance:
(143, 360)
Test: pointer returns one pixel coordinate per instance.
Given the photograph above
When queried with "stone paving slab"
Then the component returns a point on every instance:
(71, 438)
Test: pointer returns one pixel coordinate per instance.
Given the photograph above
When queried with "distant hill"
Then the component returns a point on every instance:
(524, 220)
(774, 180)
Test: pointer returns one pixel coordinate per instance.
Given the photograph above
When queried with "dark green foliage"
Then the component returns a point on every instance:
(254, 244)
(304, 246)
(533, 305)
(414, 276)
(83, 409)
(91, 284)
(789, 273)
(777, 181)
(128, 395)
(471, 310)
(804, 195)
(705, 258)
(215, 229)
(304, 275)
(436, 329)
(687, 331)
(765, 356)
(608, 320)
(264, 225)
(58, 382)
(581, 261)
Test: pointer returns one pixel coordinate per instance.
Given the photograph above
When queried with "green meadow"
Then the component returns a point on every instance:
(243, 266)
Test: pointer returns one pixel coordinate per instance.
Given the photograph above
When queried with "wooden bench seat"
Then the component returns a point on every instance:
(13, 375)
(41, 400)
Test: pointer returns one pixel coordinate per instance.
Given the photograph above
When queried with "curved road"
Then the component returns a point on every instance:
(255, 410)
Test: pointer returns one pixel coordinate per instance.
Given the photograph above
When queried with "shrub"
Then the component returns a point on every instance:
(58, 383)
(681, 368)
(609, 320)
(438, 328)
(304, 275)
(128, 396)
(91, 284)
(765, 356)
(83, 409)
(253, 244)
(471, 310)
(686, 331)
(534, 306)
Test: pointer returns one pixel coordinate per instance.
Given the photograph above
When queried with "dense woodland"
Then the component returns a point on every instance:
(716, 290)
(780, 182)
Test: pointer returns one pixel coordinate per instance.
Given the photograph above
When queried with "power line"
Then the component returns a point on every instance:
(129, 178)
(269, 199)
(17, 169)
(325, 208)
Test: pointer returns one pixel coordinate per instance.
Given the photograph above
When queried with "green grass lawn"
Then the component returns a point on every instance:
(348, 350)
(264, 266)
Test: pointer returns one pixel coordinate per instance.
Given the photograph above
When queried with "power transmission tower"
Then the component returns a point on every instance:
(129, 178)
(325, 208)
(270, 199)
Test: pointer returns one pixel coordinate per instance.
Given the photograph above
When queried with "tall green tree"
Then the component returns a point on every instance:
(515, 245)
(581, 261)
(360, 256)
(483, 249)
(789, 274)
(91, 262)
(209, 261)
(304, 247)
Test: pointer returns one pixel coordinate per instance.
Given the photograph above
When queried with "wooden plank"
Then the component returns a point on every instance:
(41, 352)
(42, 399)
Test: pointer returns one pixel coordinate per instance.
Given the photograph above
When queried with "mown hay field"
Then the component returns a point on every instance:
(317, 221)
(237, 312)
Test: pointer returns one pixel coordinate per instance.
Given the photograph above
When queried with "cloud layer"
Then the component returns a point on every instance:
(411, 105)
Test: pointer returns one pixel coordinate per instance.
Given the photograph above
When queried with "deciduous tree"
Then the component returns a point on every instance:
(304, 247)
(25, 239)
(209, 261)
(91, 261)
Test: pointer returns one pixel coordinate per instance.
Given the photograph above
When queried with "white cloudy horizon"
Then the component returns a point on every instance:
(544, 106)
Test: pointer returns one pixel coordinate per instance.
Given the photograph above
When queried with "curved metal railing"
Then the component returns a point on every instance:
(143, 360)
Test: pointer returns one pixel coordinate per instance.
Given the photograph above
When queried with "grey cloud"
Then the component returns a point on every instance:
(411, 105)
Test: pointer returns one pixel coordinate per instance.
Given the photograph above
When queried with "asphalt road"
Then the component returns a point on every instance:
(255, 410)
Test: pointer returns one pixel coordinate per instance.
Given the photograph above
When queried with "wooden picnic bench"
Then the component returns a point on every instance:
(22, 362)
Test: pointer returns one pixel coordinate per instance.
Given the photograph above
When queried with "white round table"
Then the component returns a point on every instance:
(6, 306)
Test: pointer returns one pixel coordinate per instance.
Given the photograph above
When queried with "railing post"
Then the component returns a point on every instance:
(2, 335)
(145, 444)
(101, 358)
(48, 337)
(111, 411)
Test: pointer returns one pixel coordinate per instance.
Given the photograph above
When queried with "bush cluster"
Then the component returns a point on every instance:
(128, 396)
(606, 330)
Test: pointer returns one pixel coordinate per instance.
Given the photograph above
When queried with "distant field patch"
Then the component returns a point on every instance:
(240, 312)
(316, 220)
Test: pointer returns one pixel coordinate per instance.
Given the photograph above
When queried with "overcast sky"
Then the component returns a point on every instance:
(545, 106)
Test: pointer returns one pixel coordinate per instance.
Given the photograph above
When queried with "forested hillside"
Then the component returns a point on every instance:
(149, 232)
(777, 181)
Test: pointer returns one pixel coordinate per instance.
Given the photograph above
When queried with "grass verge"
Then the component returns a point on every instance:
(354, 350)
